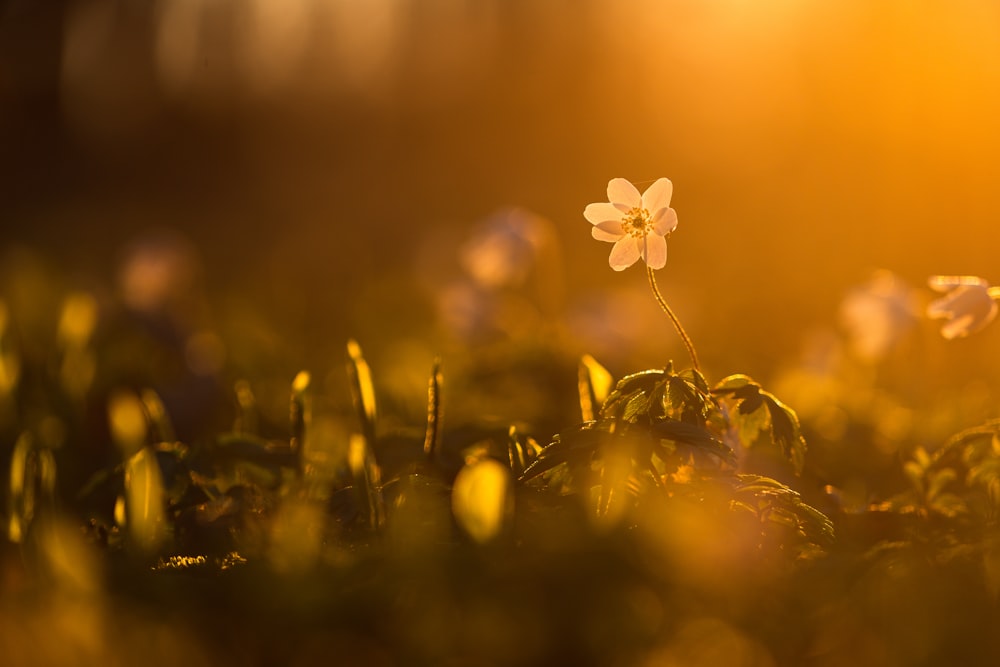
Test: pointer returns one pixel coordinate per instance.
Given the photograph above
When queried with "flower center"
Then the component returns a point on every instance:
(637, 223)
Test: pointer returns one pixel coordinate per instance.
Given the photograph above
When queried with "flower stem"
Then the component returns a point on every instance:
(673, 319)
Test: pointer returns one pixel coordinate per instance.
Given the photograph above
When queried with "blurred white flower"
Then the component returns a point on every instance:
(505, 248)
(969, 304)
(878, 314)
(636, 224)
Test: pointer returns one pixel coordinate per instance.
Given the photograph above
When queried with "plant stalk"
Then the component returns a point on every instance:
(673, 319)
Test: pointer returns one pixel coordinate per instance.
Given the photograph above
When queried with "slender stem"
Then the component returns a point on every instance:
(673, 319)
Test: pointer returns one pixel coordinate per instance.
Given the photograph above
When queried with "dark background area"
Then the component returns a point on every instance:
(325, 160)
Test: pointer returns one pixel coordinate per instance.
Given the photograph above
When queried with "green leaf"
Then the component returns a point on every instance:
(732, 382)
(749, 426)
(695, 436)
(642, 382)
(432, 433)
(786, 432)
(915, 473)
(938, 480)
(985, 473)
(576, 445)
(948, 504)
(593, 385)
(696, 378)
(521, 450)
(751, 403)
(636, 407)
(777, 503)
(687, 400)
(362, 390)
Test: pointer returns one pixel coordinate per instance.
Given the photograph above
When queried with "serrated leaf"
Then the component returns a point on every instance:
(658, 402)
(694, 436)
(679, 392)
(696, 378)
(687, 400)
(781, 504)
(636, 406)
(731, 382)
(628, 386)
(751, 403)
(574, 445)
(786, 432)
(749, 426)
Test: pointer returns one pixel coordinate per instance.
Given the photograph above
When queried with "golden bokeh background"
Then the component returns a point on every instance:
(201, 200)
(327, 160)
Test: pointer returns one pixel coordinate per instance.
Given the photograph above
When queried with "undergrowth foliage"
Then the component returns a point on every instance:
(672, 499)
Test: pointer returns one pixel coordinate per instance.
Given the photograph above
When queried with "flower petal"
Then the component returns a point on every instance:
(602, 235)
(958, 328)
(602, 212)
(969, 308)
(990, 315)
(658, 195)
(939, 308)
(664, 221)
(656, 251)
(624, 254)
(945, 283)
(623, 193)
(611, 227)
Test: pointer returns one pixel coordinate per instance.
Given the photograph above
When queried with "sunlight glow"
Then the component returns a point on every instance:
(364, 379)
(144, 501)
(180, 42)
(356, 454)
(78, 319)
(127, 420)
(481, 499)
(296, 537)
(273, 36)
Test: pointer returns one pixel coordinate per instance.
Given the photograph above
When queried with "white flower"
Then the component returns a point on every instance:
(878, 315)
(969, 305)
(636, 224)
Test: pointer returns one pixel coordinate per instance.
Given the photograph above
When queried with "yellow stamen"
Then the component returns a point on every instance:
(637, 223)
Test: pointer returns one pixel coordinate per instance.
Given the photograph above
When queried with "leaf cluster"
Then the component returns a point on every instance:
(667, 432)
